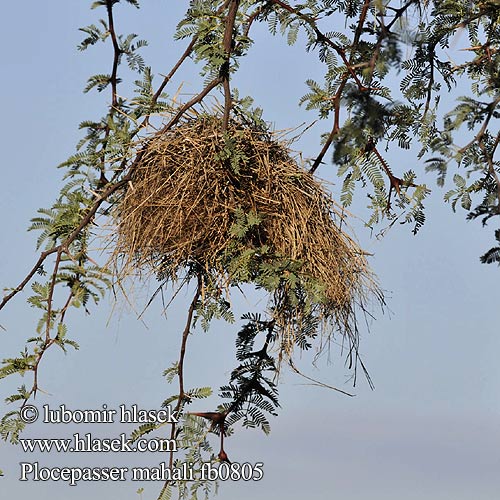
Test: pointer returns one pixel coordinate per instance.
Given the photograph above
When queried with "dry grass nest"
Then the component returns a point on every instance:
(238, 206)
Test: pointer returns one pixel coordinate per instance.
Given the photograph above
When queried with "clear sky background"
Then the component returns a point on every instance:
(429, 430)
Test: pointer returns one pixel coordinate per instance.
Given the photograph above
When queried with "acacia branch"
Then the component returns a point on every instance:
(251, 19)
(63, 246)
(218, 418)
(185, 334)
(336, 127)
(51, 294)
(66, 306)
(491, 166)
(185, 55)
(48, 343)
(180, 370)
(349, 63)
(187, 52)
(359, 29)
(114, 94)
(116, 53)
(322, 38)
(225, 69)
(479, 136)
(195, 100)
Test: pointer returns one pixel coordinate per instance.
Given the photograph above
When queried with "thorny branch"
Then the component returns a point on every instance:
(180, 370)
(228, 42)
(63, 247)
(51, 295)
(479, 140)
(166, 80)
(117, 52)
(337, 98)
(395, 183)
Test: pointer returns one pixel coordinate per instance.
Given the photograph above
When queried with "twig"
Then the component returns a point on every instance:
(180, 370)
(349, 65)
(172, 72)
(110, 189)
(225, 69)
(195, 100)
(51, 294)
(116, 53)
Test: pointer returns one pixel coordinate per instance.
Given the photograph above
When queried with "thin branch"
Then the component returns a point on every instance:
(114, 93)
(349, 65)
(195, 100)
(491, 167)
(185, 55)
(225, 69)
(180, 370)
(328, 142)
(51, 294)
(359, 29)
(218, 418)
(28, 277)
(251, 19)
(478, 137)
(185, 334)
(112, 188)
(116, 53)
(66, 306)
(322, 38)
(350, 72)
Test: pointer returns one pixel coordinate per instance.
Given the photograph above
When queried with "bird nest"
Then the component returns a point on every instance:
(236, 206)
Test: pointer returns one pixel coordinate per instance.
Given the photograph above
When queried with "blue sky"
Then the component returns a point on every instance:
(428, 430)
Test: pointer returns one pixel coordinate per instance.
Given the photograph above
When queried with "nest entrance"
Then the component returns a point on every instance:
(233, 203)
